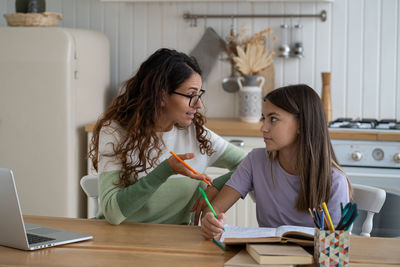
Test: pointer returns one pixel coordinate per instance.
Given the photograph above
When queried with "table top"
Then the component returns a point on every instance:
(158, 245)
(143, 244)
(167, 238)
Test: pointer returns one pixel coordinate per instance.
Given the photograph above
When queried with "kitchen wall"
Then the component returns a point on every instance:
(358, 44)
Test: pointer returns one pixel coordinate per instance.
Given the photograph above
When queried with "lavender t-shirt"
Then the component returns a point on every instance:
(276, 197)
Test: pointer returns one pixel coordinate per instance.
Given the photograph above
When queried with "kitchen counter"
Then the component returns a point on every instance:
(222, 126)
(235, 127)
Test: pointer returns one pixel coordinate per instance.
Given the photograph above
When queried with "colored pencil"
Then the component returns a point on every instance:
(323, 219)
(203, 194)
(326, 222)
(187, 166)
(313, 218)
(328, 216)
(341, 208)
(219, 244)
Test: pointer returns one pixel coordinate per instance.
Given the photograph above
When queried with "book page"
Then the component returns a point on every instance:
(247, 232)
(291, 228)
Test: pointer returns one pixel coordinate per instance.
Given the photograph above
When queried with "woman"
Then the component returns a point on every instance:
(157, 112)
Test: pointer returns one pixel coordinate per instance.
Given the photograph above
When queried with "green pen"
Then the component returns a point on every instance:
(341, 208)
(219, 244)
(209, 204)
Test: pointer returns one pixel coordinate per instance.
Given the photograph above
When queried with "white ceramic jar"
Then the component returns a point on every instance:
(250, 98)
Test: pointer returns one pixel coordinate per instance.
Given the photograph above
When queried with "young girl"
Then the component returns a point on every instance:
(297, 170)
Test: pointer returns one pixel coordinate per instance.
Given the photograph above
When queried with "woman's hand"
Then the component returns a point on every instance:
(179, 168)
(211, 227)
(200, 204)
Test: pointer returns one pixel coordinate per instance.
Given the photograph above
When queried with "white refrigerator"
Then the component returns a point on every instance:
(53, 81)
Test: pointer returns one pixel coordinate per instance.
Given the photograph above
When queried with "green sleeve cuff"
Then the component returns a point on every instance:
(221, 180)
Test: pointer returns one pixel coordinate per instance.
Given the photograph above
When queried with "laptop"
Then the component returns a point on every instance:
(17, 234)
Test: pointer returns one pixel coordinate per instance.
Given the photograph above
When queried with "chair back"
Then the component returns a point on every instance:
(369, 199)
(89, 184)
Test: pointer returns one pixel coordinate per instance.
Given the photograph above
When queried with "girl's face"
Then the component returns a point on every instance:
(280, 128)
(176, 109)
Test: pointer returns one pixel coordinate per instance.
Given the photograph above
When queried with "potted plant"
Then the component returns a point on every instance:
(30, 6)
(251, 56)
(32, 13)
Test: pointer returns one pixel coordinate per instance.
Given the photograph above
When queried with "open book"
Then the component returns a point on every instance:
(303, 236)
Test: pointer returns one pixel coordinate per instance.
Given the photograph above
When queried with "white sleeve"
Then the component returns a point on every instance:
(219, 145)
(109, 137)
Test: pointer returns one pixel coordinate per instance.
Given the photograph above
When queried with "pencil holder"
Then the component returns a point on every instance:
(331, 248)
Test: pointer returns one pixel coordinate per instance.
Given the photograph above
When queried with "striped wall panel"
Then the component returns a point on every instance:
(358, 44)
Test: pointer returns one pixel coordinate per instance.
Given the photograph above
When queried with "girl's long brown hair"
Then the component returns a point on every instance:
(137, 109)
(315, 156)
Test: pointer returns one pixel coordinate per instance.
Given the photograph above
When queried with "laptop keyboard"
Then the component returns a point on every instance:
(33, 239)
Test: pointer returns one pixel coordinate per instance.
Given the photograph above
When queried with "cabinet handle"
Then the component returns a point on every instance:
(237, 142)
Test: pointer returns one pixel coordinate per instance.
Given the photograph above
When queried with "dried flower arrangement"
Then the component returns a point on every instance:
(250, 54)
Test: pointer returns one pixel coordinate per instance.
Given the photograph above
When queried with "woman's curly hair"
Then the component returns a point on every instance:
(137, 109)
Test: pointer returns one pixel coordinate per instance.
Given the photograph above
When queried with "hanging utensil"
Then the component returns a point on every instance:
(230, 84)
(207, 50)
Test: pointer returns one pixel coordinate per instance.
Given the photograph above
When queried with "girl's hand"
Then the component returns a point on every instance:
(179, 168)
(211, 227)
(200, 204)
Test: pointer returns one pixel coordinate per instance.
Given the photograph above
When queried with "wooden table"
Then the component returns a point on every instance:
(138, 244)
(129, 244)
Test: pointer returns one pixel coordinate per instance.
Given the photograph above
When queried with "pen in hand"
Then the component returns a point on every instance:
(203, 194)
(187, 166)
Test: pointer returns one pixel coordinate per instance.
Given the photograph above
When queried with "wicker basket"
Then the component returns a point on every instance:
(46, 19)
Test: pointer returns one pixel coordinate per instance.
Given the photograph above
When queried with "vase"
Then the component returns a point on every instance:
(250, 97)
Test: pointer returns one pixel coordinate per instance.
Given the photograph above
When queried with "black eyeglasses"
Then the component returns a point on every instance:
(193, 98)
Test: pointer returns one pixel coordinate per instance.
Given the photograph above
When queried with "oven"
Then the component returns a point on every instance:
(369, 153)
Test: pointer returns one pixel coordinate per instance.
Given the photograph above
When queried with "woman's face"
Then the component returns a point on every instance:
(176, 106)
(280, 128)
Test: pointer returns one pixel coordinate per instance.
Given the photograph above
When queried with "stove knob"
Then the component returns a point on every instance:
(378, 154)
(357, 156)
(396, 157)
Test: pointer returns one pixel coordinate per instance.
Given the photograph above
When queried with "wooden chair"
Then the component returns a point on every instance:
(369, 199)
(89, 184)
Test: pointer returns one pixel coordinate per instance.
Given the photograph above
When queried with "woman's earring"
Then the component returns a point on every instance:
(163, 100)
